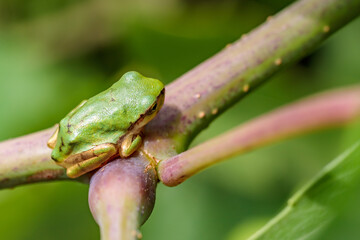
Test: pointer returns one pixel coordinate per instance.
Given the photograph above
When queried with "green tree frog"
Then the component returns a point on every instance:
(107, 125)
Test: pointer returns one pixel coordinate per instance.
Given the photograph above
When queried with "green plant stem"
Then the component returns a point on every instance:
(122, 196)
(197, 97)
(329, 109)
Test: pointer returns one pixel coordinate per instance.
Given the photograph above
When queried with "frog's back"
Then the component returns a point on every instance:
(107, 116)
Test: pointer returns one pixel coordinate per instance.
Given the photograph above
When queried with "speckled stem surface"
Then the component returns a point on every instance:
(197, 97)
(329, 109)
(27, 160)
(122, 196)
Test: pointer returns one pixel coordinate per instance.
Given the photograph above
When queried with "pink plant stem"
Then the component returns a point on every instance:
(27, 159)
(329, 109)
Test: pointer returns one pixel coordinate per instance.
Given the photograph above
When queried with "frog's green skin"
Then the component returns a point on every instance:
(107, 125)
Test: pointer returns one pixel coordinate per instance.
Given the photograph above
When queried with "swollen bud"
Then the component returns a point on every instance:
(122, 196)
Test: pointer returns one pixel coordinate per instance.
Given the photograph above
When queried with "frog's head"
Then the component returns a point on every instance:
(149, 97)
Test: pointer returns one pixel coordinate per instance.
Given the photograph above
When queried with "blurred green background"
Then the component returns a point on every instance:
(55, 53)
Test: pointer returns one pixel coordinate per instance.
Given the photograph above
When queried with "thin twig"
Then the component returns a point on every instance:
(329, 109)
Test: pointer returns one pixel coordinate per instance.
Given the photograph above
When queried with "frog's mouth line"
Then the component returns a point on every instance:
(137, 126)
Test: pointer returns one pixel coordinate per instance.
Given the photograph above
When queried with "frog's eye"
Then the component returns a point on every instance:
(152, 109)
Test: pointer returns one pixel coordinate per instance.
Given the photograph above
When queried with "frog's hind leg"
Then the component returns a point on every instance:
(94, 159)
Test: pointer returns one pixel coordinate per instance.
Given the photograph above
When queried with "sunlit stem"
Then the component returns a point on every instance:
(200, 95)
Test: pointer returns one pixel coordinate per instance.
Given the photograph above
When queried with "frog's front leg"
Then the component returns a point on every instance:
(129, 145)
(84, 162)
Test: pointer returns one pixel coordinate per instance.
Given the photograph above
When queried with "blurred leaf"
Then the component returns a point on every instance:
(315, 205)
(56, 211)
(245, 229)
(34, 95)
